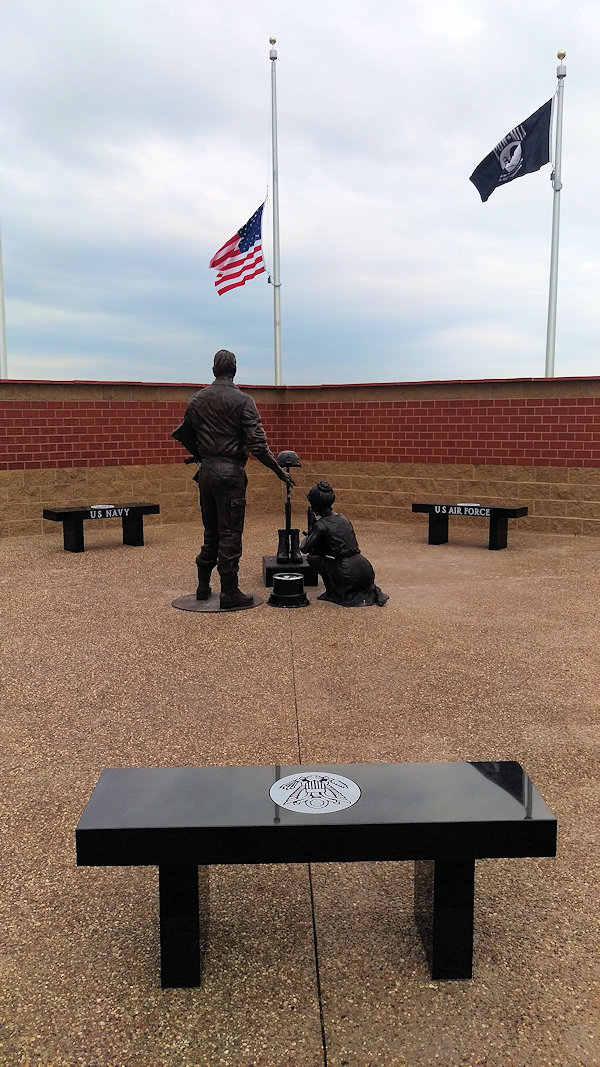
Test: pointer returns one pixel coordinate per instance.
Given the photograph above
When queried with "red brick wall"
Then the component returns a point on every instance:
(552, 430)
(37, 434)
(83, 433)
(529, 441)
(531, 432)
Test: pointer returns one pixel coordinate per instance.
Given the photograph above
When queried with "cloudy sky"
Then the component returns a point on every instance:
(135, 140)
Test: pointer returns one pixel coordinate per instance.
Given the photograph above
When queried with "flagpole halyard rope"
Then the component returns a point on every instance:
(561, 73)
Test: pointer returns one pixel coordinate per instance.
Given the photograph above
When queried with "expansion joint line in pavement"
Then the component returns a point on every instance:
(294, 687)
(310, 881)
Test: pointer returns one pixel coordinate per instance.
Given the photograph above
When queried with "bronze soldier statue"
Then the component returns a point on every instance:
(221, 427)
(333, 551)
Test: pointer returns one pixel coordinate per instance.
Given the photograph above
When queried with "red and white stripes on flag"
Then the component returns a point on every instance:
(240, 259)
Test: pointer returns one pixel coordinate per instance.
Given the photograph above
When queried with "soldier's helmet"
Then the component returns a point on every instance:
(287, 458)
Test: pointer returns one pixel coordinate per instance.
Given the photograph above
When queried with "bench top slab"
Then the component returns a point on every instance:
(323, 812)
(100, 511)
(485, 510)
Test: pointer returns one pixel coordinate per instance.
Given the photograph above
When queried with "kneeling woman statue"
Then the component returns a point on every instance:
(333, 551)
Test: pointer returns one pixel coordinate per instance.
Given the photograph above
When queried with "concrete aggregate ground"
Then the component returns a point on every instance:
(477, 655)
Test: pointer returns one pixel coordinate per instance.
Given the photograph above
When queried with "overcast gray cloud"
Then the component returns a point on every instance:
(134, 140)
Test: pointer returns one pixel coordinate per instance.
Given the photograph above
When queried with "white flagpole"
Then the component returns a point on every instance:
(275, 278)
(561, 73)
(3, 358)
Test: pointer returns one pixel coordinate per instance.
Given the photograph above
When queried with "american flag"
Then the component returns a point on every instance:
(240, 259)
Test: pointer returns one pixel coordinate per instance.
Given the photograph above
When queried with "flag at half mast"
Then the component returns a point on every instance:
(523, 151)
(240, 259)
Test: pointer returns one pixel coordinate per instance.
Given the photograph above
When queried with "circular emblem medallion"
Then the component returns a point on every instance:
(314, 793)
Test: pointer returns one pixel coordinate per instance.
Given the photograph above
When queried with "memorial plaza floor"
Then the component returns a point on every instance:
(478, 655)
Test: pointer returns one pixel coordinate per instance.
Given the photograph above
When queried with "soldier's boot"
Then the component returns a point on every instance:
(295, 553)
(232, 597)
(283, 555)
(203, 592)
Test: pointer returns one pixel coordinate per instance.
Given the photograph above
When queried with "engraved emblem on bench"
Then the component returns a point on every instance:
(314, 793)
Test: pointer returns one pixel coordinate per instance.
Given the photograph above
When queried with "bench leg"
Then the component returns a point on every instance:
(133, 530)
(444, 899)
(498, 531)
(438, 529)
(73, 535)
(183, 909)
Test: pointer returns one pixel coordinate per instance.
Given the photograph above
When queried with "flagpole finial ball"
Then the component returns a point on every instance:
(272, 40)
(561, 55)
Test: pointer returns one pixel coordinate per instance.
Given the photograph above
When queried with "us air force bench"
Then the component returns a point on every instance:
(498, 516)
(444, 816)
(131, 516)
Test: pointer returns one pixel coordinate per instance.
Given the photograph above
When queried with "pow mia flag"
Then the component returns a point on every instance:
(523, 151)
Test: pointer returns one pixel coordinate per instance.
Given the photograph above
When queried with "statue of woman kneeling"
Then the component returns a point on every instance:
(333, 551)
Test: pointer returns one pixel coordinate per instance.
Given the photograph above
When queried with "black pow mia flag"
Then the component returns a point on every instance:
(523, 151)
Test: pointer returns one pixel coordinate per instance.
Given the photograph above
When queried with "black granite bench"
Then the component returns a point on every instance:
(444, 816)
(131, 516)
(498, 516)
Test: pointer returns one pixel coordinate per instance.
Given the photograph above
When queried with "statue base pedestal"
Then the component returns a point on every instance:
(189, 603)
(271, 567)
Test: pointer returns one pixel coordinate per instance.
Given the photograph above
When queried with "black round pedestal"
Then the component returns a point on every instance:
(288, 591)
(189, 603)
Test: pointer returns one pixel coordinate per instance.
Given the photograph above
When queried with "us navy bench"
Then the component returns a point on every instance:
(131, 516)
(444, 816)
(498, 516)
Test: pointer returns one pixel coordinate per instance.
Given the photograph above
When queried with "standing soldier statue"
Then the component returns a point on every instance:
(221, 428)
